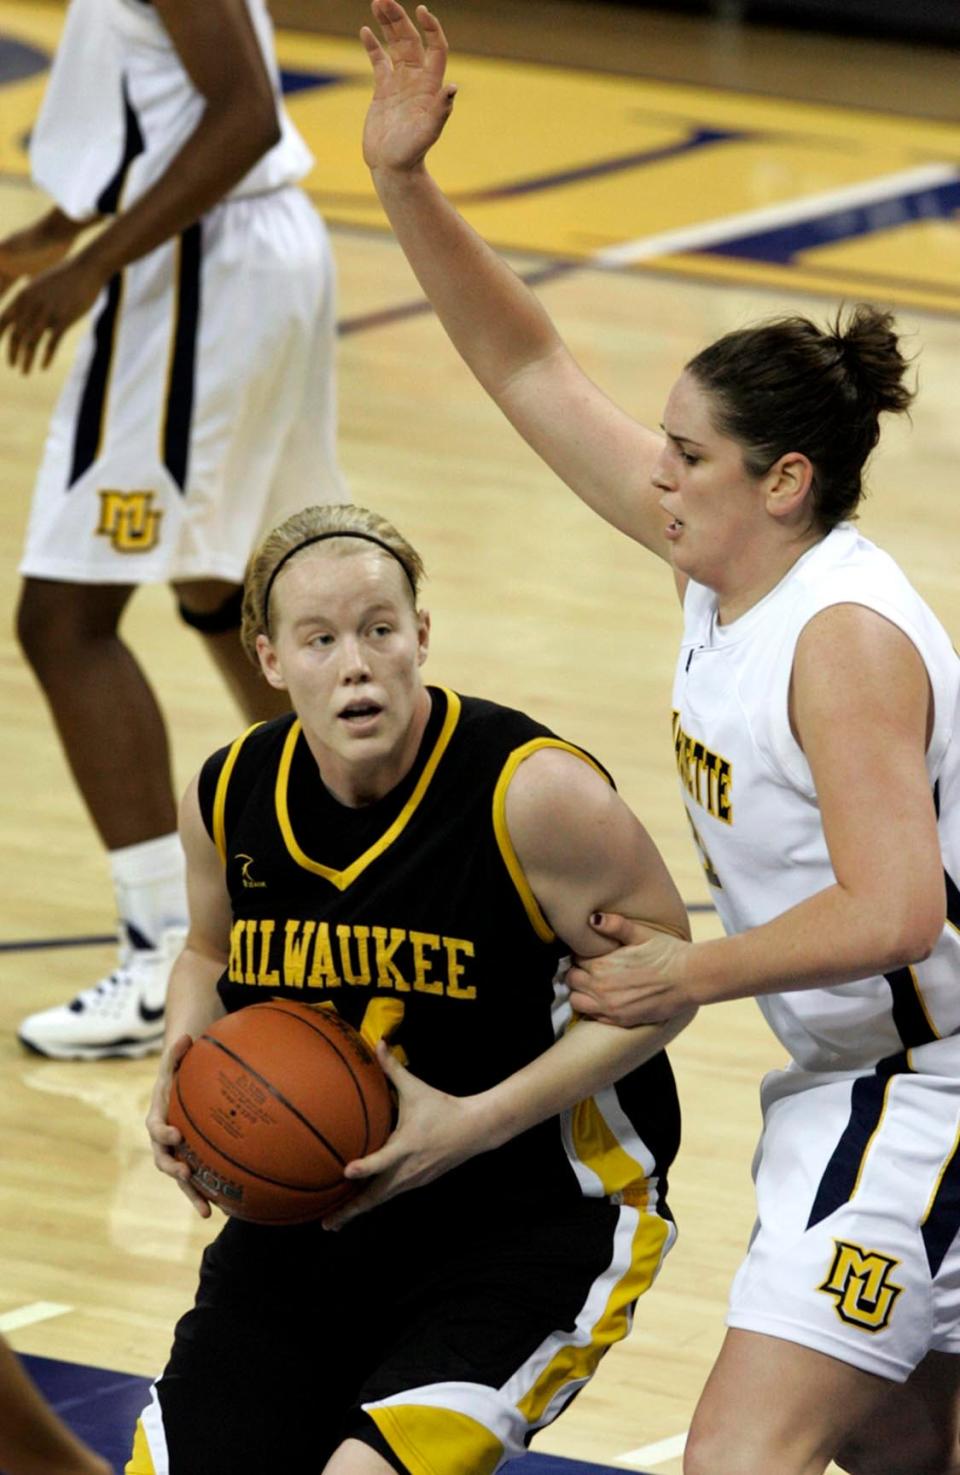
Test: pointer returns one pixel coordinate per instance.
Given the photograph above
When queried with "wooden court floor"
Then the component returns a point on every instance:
(669, 179)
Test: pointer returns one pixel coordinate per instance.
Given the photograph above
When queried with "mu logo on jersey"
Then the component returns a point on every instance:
(859, 1280)
(130, 521)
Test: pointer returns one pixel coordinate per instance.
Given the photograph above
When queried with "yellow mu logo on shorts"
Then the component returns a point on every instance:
(859, 1280)
(130, 521)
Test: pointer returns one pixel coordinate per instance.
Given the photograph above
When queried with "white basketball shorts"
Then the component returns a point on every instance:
(200, 411)
(855, 1252)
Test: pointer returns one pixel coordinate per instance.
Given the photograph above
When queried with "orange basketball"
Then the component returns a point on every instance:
(272, 1102)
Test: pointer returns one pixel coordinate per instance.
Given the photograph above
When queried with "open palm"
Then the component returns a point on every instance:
(411, 102)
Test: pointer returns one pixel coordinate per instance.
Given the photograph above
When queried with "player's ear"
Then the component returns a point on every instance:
(788, 484)
(269, 663)
(423, 635)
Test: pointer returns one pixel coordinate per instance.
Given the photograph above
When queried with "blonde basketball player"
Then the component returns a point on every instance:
(518, 1210)
(815, 702)
(200, 409)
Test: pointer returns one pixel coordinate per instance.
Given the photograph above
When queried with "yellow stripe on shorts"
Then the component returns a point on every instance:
(140, 1462)
(438, 1441)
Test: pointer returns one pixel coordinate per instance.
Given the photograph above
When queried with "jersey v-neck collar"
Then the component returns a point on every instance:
(428, 766)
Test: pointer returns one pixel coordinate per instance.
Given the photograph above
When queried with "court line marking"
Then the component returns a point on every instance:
(28, 1315)
(654, 1454)
(729, 227)
(38, 944)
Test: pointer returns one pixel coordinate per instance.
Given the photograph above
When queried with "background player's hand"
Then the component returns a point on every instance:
(434, 1133)
(411, 102)
(164, 1139)
(36, 248)
(641, 982)
(39, 315)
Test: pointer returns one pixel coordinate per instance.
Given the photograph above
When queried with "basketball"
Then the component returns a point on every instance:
(272, 1102)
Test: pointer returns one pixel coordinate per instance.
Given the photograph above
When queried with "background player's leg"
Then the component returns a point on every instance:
(70, 636)
(772, 1407)
(915, 1430)
(115, 740)
(212, 608)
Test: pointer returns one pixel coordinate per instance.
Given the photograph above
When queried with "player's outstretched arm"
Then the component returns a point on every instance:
(33, 1440)
(495, 322)
(192, 999)
(219, 49)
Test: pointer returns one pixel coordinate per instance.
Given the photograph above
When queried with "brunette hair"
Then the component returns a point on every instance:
(789, 385)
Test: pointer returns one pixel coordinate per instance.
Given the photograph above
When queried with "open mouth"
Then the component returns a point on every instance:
(360, 712)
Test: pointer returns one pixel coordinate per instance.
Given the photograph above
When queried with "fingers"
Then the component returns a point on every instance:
(26, 331)
(399, 32)
(617, 928)
(379, 60)
(436, 44)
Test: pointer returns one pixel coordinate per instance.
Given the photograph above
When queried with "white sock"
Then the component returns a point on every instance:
(149, 881)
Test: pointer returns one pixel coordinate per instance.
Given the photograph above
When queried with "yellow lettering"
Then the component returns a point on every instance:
(295, 946)
(724, 784)
(361, 976)
(422, 965)
(323, 974)
(381, 1020)
(235, 966)
(388, 974)
(455, 969)
(250, 937)
(267, 977)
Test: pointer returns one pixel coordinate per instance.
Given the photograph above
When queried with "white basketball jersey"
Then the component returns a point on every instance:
(119, 105)
(751, 801)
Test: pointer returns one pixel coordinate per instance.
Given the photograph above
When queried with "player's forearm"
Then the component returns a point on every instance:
(494, 321)
(225, 145)
(192, 998)
(586, 1059)
(832, 938)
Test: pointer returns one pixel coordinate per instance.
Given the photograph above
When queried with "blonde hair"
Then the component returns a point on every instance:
(313, 524)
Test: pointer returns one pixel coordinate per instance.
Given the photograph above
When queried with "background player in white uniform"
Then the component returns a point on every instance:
(816, 699)
(199, 410)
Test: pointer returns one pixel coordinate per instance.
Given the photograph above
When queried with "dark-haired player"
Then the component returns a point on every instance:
(815, 712)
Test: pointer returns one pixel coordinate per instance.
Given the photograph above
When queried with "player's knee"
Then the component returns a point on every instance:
(54, 621)
(708, 1453)
(926, 1451)
(211, 608)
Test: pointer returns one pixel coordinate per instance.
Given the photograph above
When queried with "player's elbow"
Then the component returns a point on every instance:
(914, 929)
(263, 126)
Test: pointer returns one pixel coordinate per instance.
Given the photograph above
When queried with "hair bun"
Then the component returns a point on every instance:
(869, 348)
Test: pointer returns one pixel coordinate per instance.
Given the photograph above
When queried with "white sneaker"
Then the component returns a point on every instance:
(120, 1015)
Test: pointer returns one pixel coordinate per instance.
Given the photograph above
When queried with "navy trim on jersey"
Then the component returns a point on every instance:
(93, 401)
(867, 1100)
(953, 900)
(909, 1016)
(133, 144)
(180, 390)
(939, 1229)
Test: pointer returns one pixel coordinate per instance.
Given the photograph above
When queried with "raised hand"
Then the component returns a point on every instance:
(411, 102)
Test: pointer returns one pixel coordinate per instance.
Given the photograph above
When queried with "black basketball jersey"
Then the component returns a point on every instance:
(413, 918)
